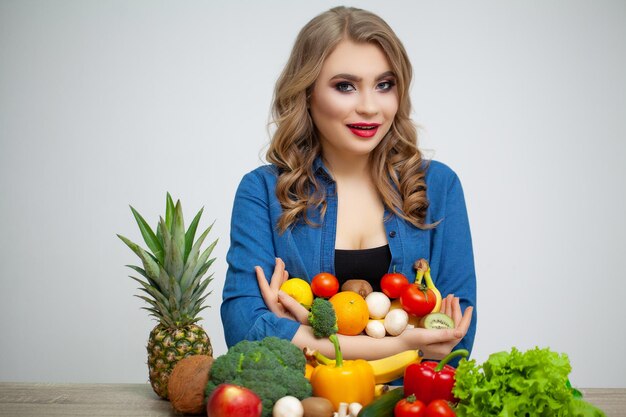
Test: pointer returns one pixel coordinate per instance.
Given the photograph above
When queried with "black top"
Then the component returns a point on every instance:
(368, 264)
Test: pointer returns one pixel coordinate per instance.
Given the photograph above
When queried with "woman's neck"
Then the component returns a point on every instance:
(352, 167)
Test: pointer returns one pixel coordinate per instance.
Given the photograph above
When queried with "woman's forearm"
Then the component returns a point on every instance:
(352, 347)
(434, 343)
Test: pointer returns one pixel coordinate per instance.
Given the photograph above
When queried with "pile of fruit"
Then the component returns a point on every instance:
(272, 377)
(359, 309)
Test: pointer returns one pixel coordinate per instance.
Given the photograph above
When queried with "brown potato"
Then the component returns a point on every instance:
(187, 382)
(317, 407)
(359, 286)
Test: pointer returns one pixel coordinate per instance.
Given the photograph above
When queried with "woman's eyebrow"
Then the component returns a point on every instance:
(356, 79)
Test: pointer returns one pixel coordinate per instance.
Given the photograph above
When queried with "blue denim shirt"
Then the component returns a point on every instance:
(308, 250)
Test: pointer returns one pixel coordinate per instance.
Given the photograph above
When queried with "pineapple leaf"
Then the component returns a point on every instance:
(159, 236)
(147, 300)
(156, 295)
(188, 292)
(192, 260)
(169, 211)
(167, 321)
(188, 275)
(164, 280)
(205, 267)
(143, 273)
(203, 258)
(200, 290)
(172, 253)
(174, 258)
(152, 310)
(197, 311)
(148, 235)
(150, 265)
(190, 234)
(164, 232)
(174, 296)
(203, 298)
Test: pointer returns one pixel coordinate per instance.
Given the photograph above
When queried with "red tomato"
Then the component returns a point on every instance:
(439, 408)
(393, 284)
(418, 300)
(409, 407)
(324, 285)
(229, 400)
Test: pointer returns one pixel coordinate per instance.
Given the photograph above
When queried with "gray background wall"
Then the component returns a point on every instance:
(105, 104)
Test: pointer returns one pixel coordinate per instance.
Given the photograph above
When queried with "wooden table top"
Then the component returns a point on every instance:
(134, 400)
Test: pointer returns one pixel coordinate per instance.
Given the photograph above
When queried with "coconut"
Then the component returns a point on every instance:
(187, 382)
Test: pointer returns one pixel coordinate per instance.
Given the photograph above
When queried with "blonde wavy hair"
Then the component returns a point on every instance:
(396, 163)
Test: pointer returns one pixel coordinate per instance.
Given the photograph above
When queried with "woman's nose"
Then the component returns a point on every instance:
(367, 104)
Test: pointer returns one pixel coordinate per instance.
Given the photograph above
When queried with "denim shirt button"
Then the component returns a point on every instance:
(392, 233)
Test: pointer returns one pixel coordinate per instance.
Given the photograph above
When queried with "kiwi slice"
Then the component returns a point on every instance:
(437, 321)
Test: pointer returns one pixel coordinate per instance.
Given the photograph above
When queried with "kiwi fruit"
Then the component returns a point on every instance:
(437, 321)
(359, 286)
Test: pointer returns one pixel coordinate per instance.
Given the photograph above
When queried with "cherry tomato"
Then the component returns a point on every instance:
(409, 407)
(393, 284)
(439, 408)
(324, 285)
(418, 300)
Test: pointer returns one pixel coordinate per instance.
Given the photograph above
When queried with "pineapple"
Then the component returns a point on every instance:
(173, 285)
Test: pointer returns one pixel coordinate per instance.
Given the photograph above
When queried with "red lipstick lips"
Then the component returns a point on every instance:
(364, 130)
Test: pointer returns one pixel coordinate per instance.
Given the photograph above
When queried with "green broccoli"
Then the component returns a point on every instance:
(272, 368)
(323, 320)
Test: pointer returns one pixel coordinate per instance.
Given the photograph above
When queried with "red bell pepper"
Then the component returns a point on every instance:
(430, 380)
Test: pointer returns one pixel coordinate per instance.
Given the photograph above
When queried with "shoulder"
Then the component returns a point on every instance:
(439, 175)
(263, 176)
(444, 190)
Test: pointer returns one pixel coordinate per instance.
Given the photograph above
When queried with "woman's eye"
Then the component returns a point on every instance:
(386, 85)
(344, 87)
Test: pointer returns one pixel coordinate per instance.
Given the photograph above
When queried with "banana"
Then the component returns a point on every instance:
(392, 367)
(380, 389)
(423, 271)
(431, 285)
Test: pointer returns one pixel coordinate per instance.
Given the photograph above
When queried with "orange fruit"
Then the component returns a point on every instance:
(352, 313)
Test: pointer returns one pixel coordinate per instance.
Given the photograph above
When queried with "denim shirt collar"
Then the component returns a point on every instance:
(320, 170)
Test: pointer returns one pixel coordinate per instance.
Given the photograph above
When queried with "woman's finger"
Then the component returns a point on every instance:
(277, 276)
(299, 312)
(262, 281)
(449, 303)
(435, 336)
(443, 306)
(465, 320)
(455, 312)
(269, 297)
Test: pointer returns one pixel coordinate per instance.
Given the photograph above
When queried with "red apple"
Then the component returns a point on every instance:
(229, 400)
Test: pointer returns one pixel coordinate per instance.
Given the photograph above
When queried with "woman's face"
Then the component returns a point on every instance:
(354, 99)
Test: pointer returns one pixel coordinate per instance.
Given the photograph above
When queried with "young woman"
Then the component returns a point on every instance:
(347, 192)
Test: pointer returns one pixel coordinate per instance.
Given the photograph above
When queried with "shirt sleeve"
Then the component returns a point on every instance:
(243, 311)
(456, 274)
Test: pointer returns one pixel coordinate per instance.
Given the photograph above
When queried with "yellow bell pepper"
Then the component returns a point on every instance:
(352, 382)
(338, 381)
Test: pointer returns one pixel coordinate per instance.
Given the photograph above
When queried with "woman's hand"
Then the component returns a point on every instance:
(437, 343)
(279, 302)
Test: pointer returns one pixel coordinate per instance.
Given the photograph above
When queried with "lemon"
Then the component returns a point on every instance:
(300, 290)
